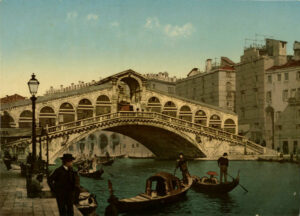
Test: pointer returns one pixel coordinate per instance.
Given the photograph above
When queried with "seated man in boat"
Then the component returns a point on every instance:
(223, 163)
(182, 165)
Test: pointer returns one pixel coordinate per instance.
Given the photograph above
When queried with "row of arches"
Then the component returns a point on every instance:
(185, 113)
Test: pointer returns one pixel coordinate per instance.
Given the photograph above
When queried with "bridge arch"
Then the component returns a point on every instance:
(66, 113)
(154, 104)
(215, 121)
(103, 105)
(170, 109)
(7, 121)
(200, 118)
(185, 113)
(230, 126)
(25, 119)
(47, 116)
(85, 109)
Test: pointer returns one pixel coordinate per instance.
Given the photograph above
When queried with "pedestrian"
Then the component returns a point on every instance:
(7, 160)
(182, 165)
(223, 163)
(64, 182)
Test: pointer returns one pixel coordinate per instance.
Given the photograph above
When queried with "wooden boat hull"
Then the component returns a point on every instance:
(214, 188)
(90, 209)
(107, 163)
(154, 203)
(94, 175)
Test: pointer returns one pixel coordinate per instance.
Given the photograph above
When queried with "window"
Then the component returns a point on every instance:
(170, 90)
(279, 127)
(298, 75)
(286, 76)
(278, 77)
(228, 74)
(295, 150)
(269, 97)
(269, 78)
(153, 86)
(256, 78)
(278, 113)
(285, 95)
(242, 96)
(293, 93)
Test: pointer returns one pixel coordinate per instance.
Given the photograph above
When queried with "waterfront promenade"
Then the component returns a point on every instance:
(14, 201)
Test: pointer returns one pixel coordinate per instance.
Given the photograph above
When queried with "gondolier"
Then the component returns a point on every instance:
(64, 182)
(182, 165)
(223, 163)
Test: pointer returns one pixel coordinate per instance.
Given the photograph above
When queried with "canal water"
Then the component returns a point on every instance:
(273, 187)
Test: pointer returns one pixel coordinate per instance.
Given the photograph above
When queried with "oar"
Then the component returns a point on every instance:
(175, 171)
(239, 184)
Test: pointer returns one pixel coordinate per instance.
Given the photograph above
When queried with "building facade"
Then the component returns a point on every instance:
(215, 86)
(260, 88)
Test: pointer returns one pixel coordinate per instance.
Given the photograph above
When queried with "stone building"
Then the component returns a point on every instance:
(161, 82)
(215, 86)
(11, 98)
(257, 84)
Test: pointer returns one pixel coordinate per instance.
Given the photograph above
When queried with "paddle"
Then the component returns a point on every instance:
(239, 184)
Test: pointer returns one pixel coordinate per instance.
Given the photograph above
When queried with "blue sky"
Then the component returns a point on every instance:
(64, 41)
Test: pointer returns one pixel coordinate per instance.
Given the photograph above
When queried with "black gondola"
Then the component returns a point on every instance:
(95, 175)
(211, 185)
(107, 162)
(169, 189)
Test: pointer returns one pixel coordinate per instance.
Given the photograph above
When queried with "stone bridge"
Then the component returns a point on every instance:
(164, 123)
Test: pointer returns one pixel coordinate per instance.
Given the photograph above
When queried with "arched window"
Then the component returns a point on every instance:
(103, 105)
(170, 109)
(201, 118)
(230, 126)
(185, 113)
(66, 113)
(85, 109)
(103, 142)
(25, 120)
(215, 121)
(154, 105)
(47, 117)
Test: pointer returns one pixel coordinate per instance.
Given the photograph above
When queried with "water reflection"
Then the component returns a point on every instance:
(224, 202)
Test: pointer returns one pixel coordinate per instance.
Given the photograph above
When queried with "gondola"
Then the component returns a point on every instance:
(169, 189)
(95, 175)
(87, 203)
(108, 162)
(211, 185)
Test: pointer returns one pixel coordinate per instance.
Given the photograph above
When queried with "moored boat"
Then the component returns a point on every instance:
(211, 185)
(107, 162)
(95, 175)
(168, 189)
(87, 203)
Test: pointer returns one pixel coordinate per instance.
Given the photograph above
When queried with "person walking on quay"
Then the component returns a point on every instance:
(7, 160)
(64, 182)
(223, 163)
(182, 165)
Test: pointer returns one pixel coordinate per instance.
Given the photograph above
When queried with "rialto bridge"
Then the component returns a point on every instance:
(165, 124)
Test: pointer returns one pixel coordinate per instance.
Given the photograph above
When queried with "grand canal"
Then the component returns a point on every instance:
(273, 187)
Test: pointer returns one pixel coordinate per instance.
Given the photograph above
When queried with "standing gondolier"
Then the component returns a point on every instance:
(182, 165)
(223, 163)
(64, 182)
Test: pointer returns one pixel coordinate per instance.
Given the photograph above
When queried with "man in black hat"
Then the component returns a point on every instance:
(182, 165)
(64, 182)
(223, 163)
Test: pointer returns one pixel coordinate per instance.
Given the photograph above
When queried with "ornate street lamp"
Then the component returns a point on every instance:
(33, 85)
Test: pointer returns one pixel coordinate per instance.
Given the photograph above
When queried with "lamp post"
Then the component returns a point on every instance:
(33, 85)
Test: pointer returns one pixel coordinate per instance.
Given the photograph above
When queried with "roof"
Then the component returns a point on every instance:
(11, 98)
(164, 175)
(289, 64)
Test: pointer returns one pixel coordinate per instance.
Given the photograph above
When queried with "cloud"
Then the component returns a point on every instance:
(72, 15)
(172, 31)
(179, 31)
(92, 16)
(152, 22)
(115, 24)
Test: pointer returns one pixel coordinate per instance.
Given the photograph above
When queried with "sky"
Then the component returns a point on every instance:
(66, 41)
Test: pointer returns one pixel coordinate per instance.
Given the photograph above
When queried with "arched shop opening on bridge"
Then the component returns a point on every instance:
(129, 94)
(91, 141)
(103, 105)
(66, 113)
(200, 118)
(170, 109)
(7, 121)
(47, 117)
(185, 113)
(25, 120)
(215, 121)
(229, 126)
(154, 105)
(102, 142)
(85, 109)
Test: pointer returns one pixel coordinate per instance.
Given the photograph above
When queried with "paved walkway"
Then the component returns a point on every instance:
(14, 201)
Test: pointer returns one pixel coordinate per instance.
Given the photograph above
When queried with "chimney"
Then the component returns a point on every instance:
(208, 65)
(296, 51)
